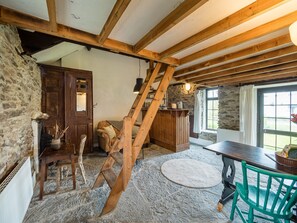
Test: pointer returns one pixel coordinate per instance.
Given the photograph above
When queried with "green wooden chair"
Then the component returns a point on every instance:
(266, 193)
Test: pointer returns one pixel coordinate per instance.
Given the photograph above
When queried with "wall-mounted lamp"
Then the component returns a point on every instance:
(293, 32)
(187, 86)
(139, 82)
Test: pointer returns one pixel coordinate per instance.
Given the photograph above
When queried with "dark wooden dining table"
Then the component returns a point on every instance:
(253, 155)
(50, 155)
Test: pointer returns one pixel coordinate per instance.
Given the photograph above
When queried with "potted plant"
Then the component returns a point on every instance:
(56, 141)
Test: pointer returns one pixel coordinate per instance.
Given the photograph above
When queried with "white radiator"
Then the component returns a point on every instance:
(16, 192)
(230, 135)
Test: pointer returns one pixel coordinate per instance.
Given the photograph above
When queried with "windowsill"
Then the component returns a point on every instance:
(209, 131)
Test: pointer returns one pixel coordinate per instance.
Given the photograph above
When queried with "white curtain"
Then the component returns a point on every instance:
(197, 112)
(247, 114)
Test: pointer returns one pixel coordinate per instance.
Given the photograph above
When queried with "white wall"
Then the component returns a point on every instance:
(114, 77)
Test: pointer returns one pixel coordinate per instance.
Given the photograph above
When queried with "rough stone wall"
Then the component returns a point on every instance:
(176, 93)
(20, 97)
(229, 107)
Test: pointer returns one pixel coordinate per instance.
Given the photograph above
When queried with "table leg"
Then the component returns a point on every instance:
(228, 174)
(73, 171)
(42, 177)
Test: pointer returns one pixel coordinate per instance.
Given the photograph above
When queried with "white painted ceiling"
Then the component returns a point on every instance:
(142, 15)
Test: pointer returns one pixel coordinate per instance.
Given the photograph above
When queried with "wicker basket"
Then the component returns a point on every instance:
(285, 161)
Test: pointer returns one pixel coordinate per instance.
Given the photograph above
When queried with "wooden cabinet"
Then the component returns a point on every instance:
(170, 129)
(67, 98)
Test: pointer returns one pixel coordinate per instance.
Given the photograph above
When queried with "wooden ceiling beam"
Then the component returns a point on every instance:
(289, 73)
(115, 15)
(273, 44)
(21, 20)
(278, 68)
(259, 31)
(266, 59)
(51, 8)
(244, 69)
(237, 18)
(182, 11)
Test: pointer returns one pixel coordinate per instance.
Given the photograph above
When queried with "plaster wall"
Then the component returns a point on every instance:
(114, 77)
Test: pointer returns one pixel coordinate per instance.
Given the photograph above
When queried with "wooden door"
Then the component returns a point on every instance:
(53, 98)
(79, 107)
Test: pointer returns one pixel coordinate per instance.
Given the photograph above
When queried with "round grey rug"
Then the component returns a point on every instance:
(191, 173)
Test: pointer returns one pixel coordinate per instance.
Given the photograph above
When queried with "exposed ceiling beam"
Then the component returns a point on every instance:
(51, 8)
(29, 22)
(289, 73)
(183, 10)
(244, 64)
(116, 13)
(259, 31)
(237, 18)
(260, 72)
(269, 45)
(247, 68)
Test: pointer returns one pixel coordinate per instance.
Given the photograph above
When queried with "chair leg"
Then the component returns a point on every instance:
(233, 205)
(82, 170)
(251, 215)
(58, 177)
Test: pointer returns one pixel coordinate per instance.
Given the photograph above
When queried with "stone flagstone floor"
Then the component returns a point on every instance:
(149, 197)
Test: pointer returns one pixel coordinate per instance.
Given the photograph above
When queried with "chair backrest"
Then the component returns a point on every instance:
(263, 182)
(83, 139)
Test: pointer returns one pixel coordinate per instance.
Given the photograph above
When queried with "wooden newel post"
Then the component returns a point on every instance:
(127, 151)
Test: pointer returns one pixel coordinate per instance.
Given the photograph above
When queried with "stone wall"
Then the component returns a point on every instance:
(229, 107)
(20, 97)
(176, 93)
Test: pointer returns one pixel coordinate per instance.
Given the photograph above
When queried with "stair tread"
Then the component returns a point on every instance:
(110, 177)
(118, 157)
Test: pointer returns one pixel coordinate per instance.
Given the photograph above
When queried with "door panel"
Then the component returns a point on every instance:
(79, 116)
(53, 99)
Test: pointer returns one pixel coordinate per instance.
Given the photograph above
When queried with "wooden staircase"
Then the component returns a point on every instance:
(129, 154)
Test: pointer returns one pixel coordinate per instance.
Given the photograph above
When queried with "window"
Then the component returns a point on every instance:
(275, 106)
(212, 107)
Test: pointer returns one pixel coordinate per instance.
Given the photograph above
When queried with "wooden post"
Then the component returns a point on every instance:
(127, 151)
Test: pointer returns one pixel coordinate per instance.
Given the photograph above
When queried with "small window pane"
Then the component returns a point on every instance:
(216, 104)
(215, 93)
(294, 97)
(269, 99)
(283, 124)
(269, 123)
(215, 113)
(293, 127)
(282, 141)
(269, 139)
(210, 94)
(210, 113)
(269, 147)
(210, 123)
(294, 109)
(294, 140)
(283, 111)
(283, 98)
(210, 105)
(269, 111)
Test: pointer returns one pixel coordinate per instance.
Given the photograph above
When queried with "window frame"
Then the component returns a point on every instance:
(260, 115)
(206, 106)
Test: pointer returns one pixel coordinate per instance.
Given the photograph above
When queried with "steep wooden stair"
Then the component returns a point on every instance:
(129, 154)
